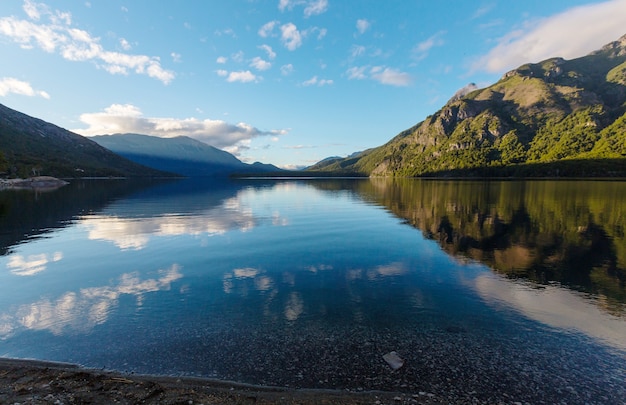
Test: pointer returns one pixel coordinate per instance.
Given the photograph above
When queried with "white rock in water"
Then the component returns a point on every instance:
(394, 361)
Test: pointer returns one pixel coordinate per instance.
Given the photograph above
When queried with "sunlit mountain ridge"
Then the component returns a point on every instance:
(557, 117)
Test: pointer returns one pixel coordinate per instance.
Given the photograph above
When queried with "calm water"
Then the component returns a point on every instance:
(501, 291)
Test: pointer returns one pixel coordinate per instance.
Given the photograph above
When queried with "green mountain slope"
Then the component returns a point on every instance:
(30, 146)
(536, 120)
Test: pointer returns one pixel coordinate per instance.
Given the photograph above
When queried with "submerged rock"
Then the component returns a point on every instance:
(394, 361)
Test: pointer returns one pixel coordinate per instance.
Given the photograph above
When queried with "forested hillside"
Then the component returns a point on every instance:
(556, 117)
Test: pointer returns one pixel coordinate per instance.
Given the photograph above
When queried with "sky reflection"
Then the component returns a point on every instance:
(554, 306)
(80, 311)
(31, 264)
(135, 233)
(271, 264)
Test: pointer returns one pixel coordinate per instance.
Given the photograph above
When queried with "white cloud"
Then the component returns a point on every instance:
(267, 29)
(315, 7)
(357, 73)
(381, 74)
(321, 32)
(421, 50)
(314, 81)
(283, 4)
(390, 76)
(270, 52)
(290, 36)
(237, 56)
(74, 44)
(357, 50)
(570, 34)
(176, 57)
(362, 25)
(311, 7)
(127, 118)
(286, 70)
(228, 31)
(221, 60)
(10, 85)
(124, 44)
(481, 11)
(260, 64)
(243, 76)
(32, 9)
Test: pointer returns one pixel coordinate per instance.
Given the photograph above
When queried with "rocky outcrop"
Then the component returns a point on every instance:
(34, 183)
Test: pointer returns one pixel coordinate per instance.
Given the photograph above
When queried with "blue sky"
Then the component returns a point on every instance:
(287, 82)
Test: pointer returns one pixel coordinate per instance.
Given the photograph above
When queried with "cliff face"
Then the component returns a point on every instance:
(545, 112)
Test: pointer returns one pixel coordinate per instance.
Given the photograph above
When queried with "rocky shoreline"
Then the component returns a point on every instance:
(34, 183)
(39, 382)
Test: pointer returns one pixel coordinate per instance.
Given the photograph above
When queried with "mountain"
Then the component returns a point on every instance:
(324, 164)
(182, 155)
(30, 147)
(558, 116)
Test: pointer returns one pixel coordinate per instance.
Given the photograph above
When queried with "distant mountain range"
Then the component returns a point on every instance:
(556, 117)
(182, 155)
(32, 147)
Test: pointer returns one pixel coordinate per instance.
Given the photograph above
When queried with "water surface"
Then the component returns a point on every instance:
(501, 291)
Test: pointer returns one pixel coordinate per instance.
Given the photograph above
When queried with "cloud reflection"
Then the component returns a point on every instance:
(294, 307)
(289, 286)
(135, 233)
(555, 306)
(260, 281)
(32, 264)
(388, 270)
(81, 311)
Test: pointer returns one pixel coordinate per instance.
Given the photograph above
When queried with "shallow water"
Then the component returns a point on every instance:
(501, 291)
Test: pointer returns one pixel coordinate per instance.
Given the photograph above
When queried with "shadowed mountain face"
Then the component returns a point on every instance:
(536, 115)
(30, 147)
(182, 155)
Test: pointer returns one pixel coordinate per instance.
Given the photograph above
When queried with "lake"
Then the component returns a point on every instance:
(496, 290)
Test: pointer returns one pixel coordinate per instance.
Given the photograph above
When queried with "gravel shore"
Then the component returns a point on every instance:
(37, 382)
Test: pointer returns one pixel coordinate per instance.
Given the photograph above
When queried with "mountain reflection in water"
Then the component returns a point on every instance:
(569, 232)
(309, 283)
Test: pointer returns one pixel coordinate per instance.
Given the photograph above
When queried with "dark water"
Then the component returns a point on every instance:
(498, 291)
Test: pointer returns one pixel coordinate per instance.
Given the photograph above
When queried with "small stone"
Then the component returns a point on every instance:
(394, 361)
